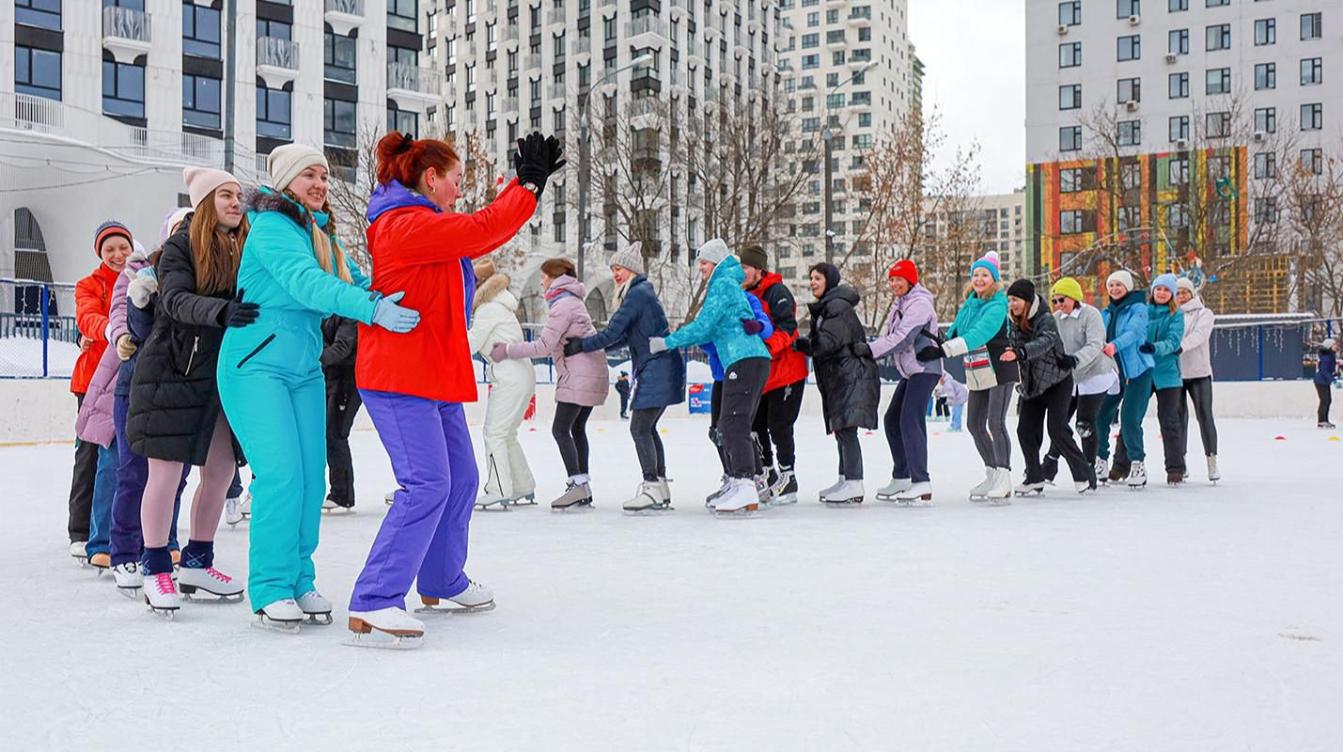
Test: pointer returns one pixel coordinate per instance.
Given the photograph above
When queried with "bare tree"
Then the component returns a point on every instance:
(1314, 214)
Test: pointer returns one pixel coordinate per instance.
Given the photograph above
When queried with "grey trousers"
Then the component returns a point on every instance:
(986, 420)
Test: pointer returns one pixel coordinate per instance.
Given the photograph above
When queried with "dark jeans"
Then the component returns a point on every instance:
(81, 485)
(127, 541)
(1085, 407)
(941, 409)
(624, 405)
(1326, 399)
(1049, 412)
(774, 422)
(850, 454)
(1172, 436)
(647, 443)
(1200, 391)
(341, 408)
(906, 427)
(741, 398)
(570, 429)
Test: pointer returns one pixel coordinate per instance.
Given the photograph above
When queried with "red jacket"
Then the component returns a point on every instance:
(93, 304)
(427, 253)
(787, 366)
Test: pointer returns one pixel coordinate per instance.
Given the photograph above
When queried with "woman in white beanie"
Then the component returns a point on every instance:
(1126, 319)
(1196, 370)
(271, 381)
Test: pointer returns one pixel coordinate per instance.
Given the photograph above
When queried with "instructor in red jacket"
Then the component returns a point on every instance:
(782, 398)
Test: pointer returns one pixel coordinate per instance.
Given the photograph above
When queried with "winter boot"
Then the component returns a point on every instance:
(649, 498)
(893, 489)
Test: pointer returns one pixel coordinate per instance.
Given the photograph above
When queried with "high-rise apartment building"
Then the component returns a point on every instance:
(1161, 134)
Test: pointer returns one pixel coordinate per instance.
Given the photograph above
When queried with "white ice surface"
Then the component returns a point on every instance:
(1193, 619)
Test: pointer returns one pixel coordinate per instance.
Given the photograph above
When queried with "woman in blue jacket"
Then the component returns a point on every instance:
(1325, 368)
(659, 379)
(1165, 330)
(270, 376)
(1126, 320)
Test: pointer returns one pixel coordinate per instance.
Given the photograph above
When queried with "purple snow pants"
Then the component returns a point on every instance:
(424, 534)
(127, 540)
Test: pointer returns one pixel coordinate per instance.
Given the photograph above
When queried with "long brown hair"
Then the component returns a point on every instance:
(217, 251)
(1022, 322)
(330, 255)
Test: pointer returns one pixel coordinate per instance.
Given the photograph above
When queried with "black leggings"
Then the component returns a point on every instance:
(1326, 399)
(741, 397)
(647, 443)
(1200, 391)
(1086, 407)
(774, 421)
(570, 431)
(1048, 411)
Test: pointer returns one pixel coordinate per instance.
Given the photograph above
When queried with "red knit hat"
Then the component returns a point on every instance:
(905, 269)
(107, 230)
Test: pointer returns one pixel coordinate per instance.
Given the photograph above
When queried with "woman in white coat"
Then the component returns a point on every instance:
(494, 320)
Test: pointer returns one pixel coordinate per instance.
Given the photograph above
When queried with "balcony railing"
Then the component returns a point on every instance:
(344, 15)
(646, 25)
(126, 33)
(412, 78)
(277, 53)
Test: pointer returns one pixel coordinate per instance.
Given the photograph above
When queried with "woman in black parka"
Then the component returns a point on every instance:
(175, 417)
(845, 373)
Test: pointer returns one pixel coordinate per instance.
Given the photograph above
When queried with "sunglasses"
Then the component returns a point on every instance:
(1059, 300)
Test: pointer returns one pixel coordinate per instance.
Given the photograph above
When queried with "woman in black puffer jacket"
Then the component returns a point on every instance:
(845, 373)
(1046, 387)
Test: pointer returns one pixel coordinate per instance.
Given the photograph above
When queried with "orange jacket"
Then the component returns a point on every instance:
(93, 304)
(427, 252)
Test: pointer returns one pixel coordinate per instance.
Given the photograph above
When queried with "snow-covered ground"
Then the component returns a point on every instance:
(1197, 618)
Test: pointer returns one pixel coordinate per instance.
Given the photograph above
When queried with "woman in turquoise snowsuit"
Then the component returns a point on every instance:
(270, 375)
(1126, 319)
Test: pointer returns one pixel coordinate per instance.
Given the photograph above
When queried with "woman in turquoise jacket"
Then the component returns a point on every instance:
(1126, 319)
(270, 376)
(979, 337)
(1165, 331)
(724, 321)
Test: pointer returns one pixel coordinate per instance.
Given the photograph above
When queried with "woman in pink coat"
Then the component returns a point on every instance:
(582, 381)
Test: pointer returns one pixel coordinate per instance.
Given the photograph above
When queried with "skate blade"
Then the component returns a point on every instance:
(497, 506)
(201, 595)
(167, 614)
(647, 512)
(746, 512)
(270, 625)
(582, 506)
(455, 609)
(526, 500)
(382, 641)
(338, 511)
(921, 502)
(81, 562)
(129, 592)
(842, 503)
(1002, 501)
(319, 619)
(785, 499)
(1028, 494)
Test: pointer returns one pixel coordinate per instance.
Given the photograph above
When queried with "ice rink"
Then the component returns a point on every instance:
(1198, 618)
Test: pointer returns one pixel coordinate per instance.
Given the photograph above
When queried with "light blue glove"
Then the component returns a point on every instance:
(392, 317)
(147, 273)
(657, 344)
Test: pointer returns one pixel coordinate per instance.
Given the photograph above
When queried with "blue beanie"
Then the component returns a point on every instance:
(1168, 281)
(989, 263)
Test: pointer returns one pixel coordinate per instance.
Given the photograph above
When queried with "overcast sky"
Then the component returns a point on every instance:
(975, 54)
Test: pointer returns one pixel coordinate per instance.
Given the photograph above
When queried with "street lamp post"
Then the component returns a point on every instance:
(585, 157)
(827, 137)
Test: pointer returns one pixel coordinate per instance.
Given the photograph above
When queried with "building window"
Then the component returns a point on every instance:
(1178, 128)
(1217, 124)
(1312, 117)
(1312, 71)
(274, 29)
(1130, 48)
(200, 101)
(339, 53)
(1265, 32)
(404, 121)
(1070, 55)
(1179, 171)
(1129, 90)
(338, 123)
(1070, 13)
(1312, 161)
(1266, 119)
(123, 89)
(1177, 42)
(1070, 97)
(273, 113)
(1265, 165)
(1219, 37)
(44, 14)
(1070, 138)
(1220, 3)
(1178, 84)
(1070, 180)
(37, 72)
(811, 61)
(1218, 81)
(403, 15)
(1126, 8)
(1312, 26)
(1265, 76)
(1130, 132)
(810, 41)
(200, 31)
(1070, 221)
(1266, 210)
(1175, 6)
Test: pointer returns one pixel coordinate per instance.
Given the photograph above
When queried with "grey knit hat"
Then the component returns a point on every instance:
(714, 251)
(631, 258)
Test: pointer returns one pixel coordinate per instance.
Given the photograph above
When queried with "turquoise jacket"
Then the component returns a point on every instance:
(1165, 330)
(1126, 327)
(719, 320)
(280, 273)
(979, 320)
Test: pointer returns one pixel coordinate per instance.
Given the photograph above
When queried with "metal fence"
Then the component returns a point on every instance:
(38, 335)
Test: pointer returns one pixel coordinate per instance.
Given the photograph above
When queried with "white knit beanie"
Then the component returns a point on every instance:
(286, 162)
(631, 258)
(1123, 277)
(714, 251)
(201, 181)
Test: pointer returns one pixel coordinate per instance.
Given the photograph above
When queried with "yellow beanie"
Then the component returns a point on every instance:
(1068, 288)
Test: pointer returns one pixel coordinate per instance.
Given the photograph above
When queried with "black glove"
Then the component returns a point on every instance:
(752, 326)
(572, 347)
(237, 313)
(1069, 362)
(554, 155)
(862, 350)
(802, 345)
(534, 162)
(516, 160)
(1147, 347)
(929, 353)
(1179, 350)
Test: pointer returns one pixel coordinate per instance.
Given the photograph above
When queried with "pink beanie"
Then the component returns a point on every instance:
(201, 181)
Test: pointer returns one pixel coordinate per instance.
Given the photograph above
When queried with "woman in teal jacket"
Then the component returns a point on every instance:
(1165, 330)
(1126, 320)
(723, 321)
(270, 376)
(979, 337)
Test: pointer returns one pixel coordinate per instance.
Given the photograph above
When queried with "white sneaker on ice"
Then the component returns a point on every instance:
(281, 616)
(648, 498)
(848, 492)
(209, 579)
(161, 594)
(1137, 475)
(232, 511)
(315, 607)
(893, 489)
(1213, 475)
(128, 577)
(741, 497)
(1001, 490)
(917, 492)
(475, 598)
(980, 492)
(404, 630)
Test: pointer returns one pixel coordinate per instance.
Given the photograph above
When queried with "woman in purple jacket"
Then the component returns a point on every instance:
(582, 381)
(910, 326)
